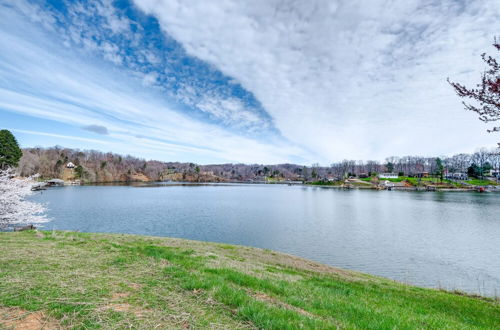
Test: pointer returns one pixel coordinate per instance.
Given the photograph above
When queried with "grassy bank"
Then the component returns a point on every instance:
(479, 182)
(76, 280)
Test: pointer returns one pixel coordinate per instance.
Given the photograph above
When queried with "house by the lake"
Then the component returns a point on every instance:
(388, 175)
(494, 173)
(457, 176)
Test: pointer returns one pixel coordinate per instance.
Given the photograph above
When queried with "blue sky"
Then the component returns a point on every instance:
(244, 81)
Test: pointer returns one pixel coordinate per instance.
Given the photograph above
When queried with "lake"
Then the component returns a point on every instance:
(434, 239)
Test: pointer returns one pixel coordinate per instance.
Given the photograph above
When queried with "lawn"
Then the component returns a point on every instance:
(479, 182)
(399, 179)
(90, 281)
(417, 181)
(327, 183)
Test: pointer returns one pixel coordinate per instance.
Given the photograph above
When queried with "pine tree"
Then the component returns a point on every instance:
(10, 153)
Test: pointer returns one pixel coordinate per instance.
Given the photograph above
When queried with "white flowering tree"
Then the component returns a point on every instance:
(14, 207)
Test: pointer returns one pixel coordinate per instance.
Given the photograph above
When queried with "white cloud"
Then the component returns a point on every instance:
(60, 136)
(115, 22)
(99, 29)
(149, 79)
(348, 79)
(40, 79)
(227, 110)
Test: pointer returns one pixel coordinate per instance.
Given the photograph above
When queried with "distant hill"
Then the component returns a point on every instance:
(93, 166)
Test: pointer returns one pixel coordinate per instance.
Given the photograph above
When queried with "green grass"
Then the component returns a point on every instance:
(399, 179)
(326, 183)
(479, 182)
(420, 182)
(91, 281)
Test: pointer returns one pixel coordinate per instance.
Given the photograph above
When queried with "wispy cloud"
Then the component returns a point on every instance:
(266, 81)
(42, 79)
(60, 136)
(352, 79)
(132, 44)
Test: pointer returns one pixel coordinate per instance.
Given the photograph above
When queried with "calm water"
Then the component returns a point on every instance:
(449, 240)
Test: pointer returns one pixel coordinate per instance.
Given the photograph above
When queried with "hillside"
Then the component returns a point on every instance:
(94, 166)
(77, 280)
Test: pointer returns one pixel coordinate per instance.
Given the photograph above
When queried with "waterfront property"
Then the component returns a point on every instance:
(457, 176)
(388, 175)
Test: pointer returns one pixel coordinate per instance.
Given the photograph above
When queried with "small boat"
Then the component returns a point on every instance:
(55, 182)
(38, 186)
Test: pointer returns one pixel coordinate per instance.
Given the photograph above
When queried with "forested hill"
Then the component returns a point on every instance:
(95, 166)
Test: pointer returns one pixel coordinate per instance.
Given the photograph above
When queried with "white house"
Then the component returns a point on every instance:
(388, 176)
(494, 173)
(70, 165)
(457, 176)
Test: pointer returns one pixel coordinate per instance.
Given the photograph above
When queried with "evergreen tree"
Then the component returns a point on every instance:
(10, 153)
(474, 171)
(439, 168)
(389, 166)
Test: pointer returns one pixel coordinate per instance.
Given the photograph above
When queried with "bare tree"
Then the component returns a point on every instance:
(487, 93)
(372, 166)
(480, 158)
(460, 163)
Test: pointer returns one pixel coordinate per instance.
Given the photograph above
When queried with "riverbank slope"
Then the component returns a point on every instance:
(78, 280)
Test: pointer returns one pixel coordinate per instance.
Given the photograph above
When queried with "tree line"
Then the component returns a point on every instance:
(96, 166)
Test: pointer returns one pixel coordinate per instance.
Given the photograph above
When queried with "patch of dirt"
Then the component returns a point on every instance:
(19, 319)
(118, 305)
(119, 295)
(135, 286)
(124, 308)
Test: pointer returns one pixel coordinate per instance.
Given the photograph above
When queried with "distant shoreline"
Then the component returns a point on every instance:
(290, 183)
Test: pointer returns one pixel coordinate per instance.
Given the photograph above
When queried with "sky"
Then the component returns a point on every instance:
(261, 81)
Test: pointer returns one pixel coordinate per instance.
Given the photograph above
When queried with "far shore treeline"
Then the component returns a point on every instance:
(93, 166)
